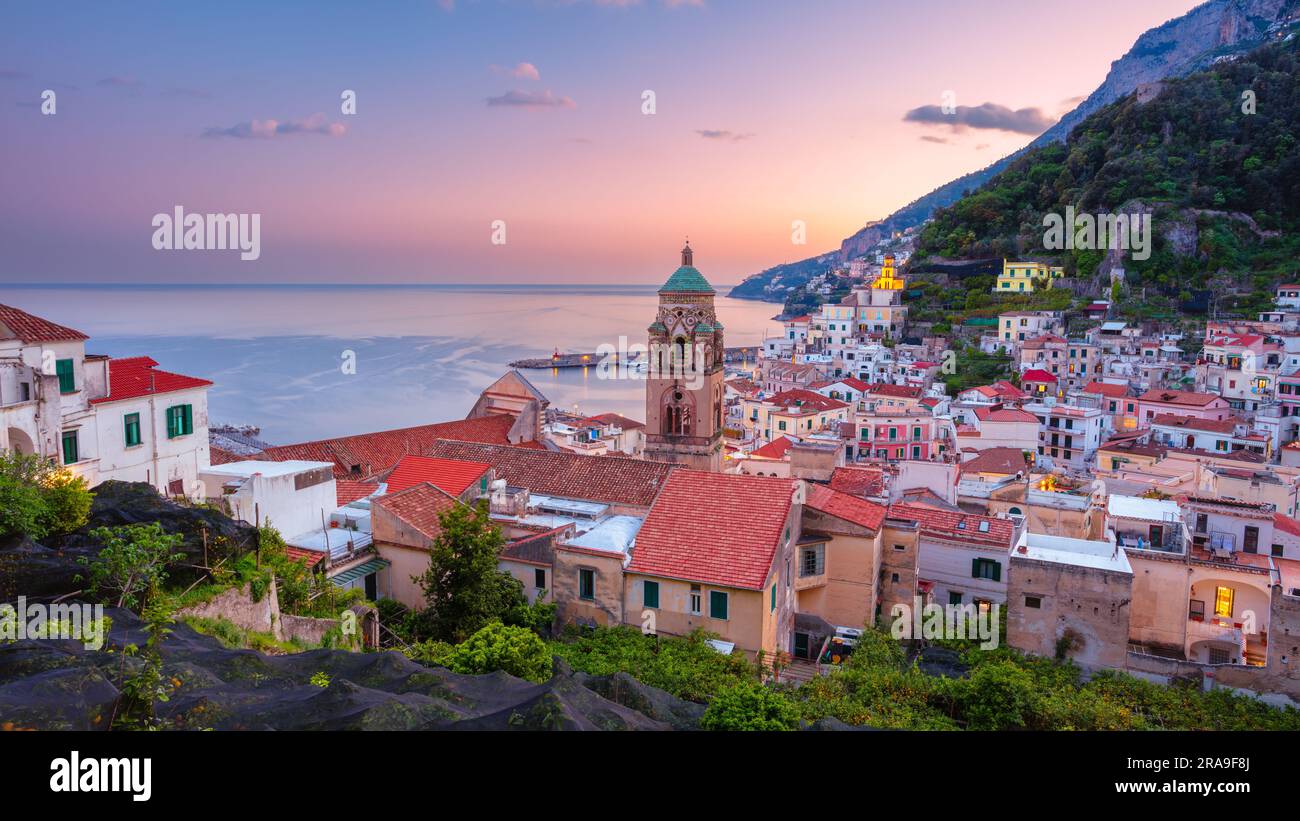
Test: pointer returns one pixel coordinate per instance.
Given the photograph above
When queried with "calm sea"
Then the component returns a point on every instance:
(422, 353)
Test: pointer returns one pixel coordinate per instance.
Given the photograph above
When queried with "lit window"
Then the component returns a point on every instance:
(1223, 601)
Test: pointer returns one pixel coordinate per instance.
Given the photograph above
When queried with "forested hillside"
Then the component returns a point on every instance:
(1214, 157)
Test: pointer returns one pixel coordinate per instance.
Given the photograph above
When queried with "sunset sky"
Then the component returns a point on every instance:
(528, 112)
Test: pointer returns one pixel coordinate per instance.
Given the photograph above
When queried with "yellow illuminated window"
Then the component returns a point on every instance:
(1223, 601)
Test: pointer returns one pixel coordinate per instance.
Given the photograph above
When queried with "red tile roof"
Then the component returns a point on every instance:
(138, 376)
(449, 475)
(20, 325)
(608, 479)
(1037, 375)
(852, 381)
(1106, 389)
(1006, 390)
(1179, 397)
(1004, 415)
(218, 456)
(308, 556)
(1174, 420)
(714, 528)
(1286, 524)
(621, 421)
(1040, 341)
(858, 481)
(377, 453)
(843, 506)
(996, 460)
(903, 391)
(419, 506)
(348, 491)
(773, 450)
(963, 527)
(805, 400)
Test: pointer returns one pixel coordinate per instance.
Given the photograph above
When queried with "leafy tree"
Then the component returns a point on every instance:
(750, 706)
(38, 498)
(67, 502)
(133, 560)
(463, 589)
(22, 508)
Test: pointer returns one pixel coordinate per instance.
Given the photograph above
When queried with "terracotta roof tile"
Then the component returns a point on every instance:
(858, 481)
(1106, 389)
(903, 391)
(138, 376)
(348, 491)
(20, 325)
(608, 479)
(1174, 420)
(714, 528)
(963, 527)
(621, 421)
(805, 400)
(843, 506)
(997, 414)
(419, 506)
(773, 450)
(1179, 397)
(1286, 524)
(377, 453)
(996, 460)
(449, 475)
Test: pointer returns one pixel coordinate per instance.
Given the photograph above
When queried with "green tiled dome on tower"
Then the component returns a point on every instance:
(687, 279)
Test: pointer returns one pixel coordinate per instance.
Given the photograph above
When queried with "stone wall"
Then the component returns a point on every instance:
(236, 606)
(1089, 606)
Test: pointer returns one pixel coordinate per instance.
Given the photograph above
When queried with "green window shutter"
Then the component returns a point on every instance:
(997, 571)
(70, 454)
(773, 598)
(131, 424)
(67, 379)
(586, 584)
(717, 604)
(974, 568)
(650, 594)
(180, 421)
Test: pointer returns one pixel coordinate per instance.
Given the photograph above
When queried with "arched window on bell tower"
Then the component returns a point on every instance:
(679, 355)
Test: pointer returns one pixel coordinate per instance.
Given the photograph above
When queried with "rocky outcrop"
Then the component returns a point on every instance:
(62, 685)
(50, 568)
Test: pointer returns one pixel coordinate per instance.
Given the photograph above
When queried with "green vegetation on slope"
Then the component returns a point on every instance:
(879, 687)
(1224, 185)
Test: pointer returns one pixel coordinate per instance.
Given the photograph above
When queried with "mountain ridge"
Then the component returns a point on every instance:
(1210, 31)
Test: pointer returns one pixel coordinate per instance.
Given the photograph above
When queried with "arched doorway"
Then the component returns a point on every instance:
(20, 442)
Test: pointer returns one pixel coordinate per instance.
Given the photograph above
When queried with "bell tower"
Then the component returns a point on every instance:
(684, 392)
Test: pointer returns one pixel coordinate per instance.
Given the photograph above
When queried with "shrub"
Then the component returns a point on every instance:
(134, 559)
(685, 667)
(38, 498)
(514, 650)
(750, 706)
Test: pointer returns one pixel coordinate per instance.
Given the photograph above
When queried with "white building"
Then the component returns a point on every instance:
(101, 418)
(292, 496)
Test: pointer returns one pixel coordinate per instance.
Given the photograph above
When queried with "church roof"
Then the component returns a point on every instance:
(687, 279)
